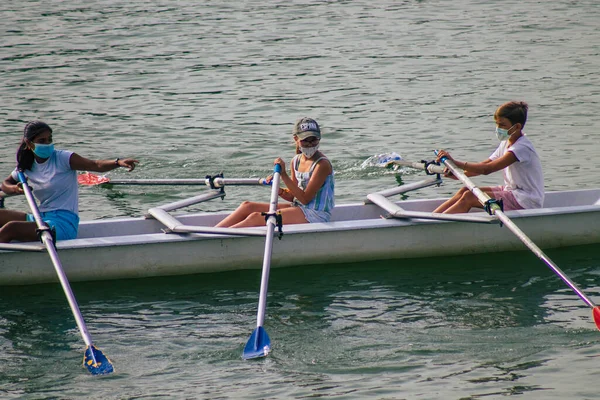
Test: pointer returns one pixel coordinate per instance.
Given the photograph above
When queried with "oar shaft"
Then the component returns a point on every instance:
(217, 182)
(431, 168)
(542, 256)
(271, 222)
(483, 198)
(49, 243)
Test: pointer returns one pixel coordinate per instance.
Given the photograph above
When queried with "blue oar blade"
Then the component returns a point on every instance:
(96, 362)
(259, 344)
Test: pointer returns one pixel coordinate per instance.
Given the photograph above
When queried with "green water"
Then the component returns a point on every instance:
(434, 328)
(195, 88)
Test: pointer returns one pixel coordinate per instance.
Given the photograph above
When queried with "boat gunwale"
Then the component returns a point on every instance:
(328, 227)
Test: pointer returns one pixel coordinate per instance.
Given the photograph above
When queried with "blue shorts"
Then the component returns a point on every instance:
(65, 223)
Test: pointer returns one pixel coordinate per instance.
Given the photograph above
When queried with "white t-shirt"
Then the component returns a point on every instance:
(54, 183)
(524, 178)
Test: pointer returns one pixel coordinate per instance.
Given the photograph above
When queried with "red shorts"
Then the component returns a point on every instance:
(508, 198)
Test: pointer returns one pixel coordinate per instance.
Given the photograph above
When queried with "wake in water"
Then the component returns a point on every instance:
(374, 166)
(382, 160)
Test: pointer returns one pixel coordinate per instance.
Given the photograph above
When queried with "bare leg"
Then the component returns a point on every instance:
(451, 201)
(10, 215)
(242, 212)
(467, 201)
(289, 215)
(18, 230)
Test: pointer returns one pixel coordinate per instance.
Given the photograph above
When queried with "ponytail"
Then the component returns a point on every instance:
(25, 157)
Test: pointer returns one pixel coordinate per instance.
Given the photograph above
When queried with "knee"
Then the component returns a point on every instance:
(248, 206)
(8, 227)
(466, 195)
(256, 215)
(254, 218)
(7, 232)
(469, 198)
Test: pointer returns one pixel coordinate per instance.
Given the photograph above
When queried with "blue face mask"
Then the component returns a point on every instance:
(43, 150)
(502, 134)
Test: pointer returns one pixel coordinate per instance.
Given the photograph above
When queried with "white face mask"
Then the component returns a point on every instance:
(308, 152)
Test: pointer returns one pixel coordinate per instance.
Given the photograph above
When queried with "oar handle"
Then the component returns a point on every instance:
(481, 196)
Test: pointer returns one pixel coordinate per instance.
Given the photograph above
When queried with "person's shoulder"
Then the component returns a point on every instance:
(524, 141)
(295, 161)
(63, 153)
(62, 158)
(324, 161)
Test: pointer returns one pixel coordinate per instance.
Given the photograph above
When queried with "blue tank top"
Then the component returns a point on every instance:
(324, 199)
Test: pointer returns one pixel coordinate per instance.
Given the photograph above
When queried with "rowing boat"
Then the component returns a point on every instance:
(162, 243)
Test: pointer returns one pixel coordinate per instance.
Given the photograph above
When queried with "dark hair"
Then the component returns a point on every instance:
(25, 156)
(514, 111)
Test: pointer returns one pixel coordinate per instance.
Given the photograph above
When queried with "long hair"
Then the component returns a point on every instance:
(25, 156)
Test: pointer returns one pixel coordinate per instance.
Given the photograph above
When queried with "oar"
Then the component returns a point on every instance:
(93, 359)
(89, 179)
(385, 160)
(430, 168)
(484, 199)
(259, 344)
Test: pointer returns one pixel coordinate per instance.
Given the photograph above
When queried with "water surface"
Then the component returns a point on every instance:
(196, 88)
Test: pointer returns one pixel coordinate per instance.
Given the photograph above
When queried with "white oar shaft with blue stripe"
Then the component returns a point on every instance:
(497, 211)
(259, 344)
(271, 223)
(98, 363)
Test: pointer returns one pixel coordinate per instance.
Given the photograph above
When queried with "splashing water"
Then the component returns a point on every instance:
(381, 160)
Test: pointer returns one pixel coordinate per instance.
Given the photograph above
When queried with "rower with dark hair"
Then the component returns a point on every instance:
(52, 176)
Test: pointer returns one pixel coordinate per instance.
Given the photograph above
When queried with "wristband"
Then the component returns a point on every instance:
(117, 162)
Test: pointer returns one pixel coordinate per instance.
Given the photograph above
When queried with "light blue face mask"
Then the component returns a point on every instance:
(502, 134)
(43, 150)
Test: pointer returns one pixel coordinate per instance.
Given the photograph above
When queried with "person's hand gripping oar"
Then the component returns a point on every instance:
(259, 344)
(495, 209)
(93, 359)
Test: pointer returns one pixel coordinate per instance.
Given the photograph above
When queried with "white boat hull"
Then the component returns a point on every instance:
(137, 247)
